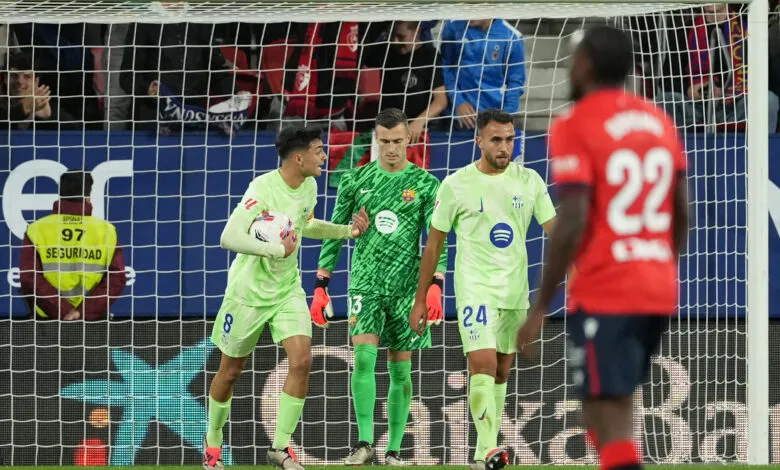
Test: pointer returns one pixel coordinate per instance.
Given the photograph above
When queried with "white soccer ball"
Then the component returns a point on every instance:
(271, 227)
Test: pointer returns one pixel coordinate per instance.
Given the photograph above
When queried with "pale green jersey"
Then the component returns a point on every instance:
(490, 215)
(261, 281)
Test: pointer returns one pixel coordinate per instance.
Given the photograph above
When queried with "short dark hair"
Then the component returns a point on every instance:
(75, 185)
(20, 61)
(294, 138)
(611, 53)
(391, 117)
(493, 115)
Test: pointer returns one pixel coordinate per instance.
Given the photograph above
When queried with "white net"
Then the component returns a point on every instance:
(174, 108)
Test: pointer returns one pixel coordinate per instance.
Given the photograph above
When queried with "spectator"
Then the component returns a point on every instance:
(412, 79)
(320, 82)
(169, 72)
(64, 57)
(715, 94)
(30, 100)
(71, 267)
(484, 67)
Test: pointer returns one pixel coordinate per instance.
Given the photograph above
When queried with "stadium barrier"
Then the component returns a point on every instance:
(183, 188)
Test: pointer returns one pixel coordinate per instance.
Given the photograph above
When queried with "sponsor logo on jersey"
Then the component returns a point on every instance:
(409, 195)
(501, 235)
(386, 222)
(481, 206)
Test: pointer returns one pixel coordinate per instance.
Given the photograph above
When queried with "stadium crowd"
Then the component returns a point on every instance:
(255, 76)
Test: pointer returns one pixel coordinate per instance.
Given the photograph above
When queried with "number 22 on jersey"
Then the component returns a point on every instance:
(626, 169)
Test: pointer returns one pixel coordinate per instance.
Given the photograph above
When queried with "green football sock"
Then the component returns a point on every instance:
(482, 403)
(399, 399)
(364, 390)
(499, 392)
(218, 415)
(290, 409)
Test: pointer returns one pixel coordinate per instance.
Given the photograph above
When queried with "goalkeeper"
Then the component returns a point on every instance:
(399, 197)
(489, 204)
(264, 287)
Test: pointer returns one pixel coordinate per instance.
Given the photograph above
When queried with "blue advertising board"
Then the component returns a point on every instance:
(170, 195)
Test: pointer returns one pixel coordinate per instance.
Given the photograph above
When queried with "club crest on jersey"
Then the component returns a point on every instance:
(353, 321)
(517, 202)
(496, 52)
(409, 195)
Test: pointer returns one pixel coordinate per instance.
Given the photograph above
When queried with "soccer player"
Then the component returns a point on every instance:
(620, 171)
(264, 287)
(399, 198)
(489, 204)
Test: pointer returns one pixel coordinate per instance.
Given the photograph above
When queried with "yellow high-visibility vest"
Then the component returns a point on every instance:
(75, 253)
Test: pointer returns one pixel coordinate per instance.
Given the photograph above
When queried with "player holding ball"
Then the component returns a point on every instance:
(619, 169)
(264, 288)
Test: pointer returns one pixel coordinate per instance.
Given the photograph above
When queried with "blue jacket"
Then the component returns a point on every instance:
(485, 68)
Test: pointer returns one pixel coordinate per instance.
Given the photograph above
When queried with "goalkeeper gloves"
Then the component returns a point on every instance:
(433, 301)
(321, 308)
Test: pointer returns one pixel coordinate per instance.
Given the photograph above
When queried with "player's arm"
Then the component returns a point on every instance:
(435, 290)
(544, 209)
(443, 216)
(236, 237)
(321, 307)
(323, 230)
(573, 176)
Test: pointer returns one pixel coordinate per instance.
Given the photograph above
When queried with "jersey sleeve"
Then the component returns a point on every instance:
(251, 204)
(569, 160)
(342, 214)
(445, 209)
(544, 209)
(430, 203)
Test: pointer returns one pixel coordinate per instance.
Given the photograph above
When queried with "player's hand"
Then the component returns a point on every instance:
(154, 88)
(418, 318)
(290, 242)
(359, 223)
(467, 116)
(529, 333)
(321, 307)
(73, 315)
(433, 302)
(416, 128)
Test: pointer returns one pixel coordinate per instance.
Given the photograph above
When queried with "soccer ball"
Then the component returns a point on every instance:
(271, 227)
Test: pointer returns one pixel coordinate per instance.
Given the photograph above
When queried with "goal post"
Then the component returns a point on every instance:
(708, 397)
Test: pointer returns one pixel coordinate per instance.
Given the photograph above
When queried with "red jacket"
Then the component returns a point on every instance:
(37, 289)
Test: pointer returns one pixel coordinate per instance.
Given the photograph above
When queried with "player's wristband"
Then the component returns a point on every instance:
(322, 281)
(439, 281)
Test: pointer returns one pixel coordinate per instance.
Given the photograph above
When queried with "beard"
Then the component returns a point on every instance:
(495, 163)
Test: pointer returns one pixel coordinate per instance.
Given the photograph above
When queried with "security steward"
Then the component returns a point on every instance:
(71, 267)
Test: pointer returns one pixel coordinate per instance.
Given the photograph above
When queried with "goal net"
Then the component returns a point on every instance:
(173, 108)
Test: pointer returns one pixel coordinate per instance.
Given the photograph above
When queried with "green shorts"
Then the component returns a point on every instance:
(238, 327)
(484, 327)
(387, 317)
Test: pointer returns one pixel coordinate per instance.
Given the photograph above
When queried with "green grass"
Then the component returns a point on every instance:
(438, 467)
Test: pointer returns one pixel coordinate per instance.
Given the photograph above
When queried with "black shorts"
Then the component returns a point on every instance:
(609, 355)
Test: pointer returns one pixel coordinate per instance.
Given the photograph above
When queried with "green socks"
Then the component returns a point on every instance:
(218, 415)
(482, 403)
(499, 392)
(290, 409)
(399, 399)
(364, 390)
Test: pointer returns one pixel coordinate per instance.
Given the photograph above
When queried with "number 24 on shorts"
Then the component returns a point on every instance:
(481, 316)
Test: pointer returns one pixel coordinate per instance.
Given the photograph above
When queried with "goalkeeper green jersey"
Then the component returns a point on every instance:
(399, 204)
(490, 215)
(260, 281)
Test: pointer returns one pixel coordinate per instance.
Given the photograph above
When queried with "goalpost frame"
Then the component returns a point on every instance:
(757, 316)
